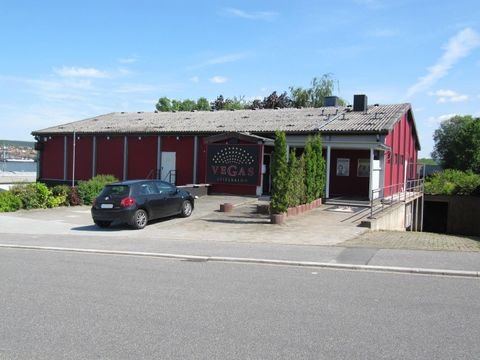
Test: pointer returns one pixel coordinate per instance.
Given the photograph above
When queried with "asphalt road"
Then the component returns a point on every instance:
(56, 305)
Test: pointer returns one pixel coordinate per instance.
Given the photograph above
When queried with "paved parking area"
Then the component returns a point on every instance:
(317, 227)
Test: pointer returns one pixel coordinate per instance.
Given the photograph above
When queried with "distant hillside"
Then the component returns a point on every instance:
(17, 143)
(17, 150)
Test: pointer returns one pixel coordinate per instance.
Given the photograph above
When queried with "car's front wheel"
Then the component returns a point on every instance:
(102, 224)
(187, 209)
(139, 219)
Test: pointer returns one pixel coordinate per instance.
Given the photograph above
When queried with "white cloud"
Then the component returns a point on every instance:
(444, 96)
(223, 59)
(218, 79)
(195, 79)
(251, 15)
(128, 60)
(134, 88)
(458, 47)
(383, 33)
(73, 71)
(432, 120)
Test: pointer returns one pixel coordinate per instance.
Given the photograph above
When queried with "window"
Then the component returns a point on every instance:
(363, 168)
(343, 167)
(165, 188)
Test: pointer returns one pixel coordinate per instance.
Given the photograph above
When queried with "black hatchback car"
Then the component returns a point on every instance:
(135, 202)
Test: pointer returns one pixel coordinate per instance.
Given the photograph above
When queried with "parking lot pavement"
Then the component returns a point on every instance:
(317, 227)
(414, 241)
(320, 235)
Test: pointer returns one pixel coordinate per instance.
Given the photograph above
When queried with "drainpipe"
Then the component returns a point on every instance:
(195, 158)
(125, 157)
(370, 180)
(159, 158)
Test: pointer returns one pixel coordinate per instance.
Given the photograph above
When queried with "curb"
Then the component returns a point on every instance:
(199, 258)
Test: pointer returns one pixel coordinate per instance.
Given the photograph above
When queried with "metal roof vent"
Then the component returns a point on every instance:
(330, 101)
(360, 103)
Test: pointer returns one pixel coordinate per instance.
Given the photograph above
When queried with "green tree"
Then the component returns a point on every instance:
(279, 196)
(310, 171)
(292, 190)
(164, 104)
(320, 167)
(176, 104)
(234, 103)
(320, 88)
(457, 144)
(188, 105)
(203, 104)
(314, 95)
(300, 96)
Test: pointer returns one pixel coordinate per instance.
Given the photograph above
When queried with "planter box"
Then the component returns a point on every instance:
(278, 218)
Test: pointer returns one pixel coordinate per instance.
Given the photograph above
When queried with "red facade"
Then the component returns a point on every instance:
(52, 158)
(136, 156)
(401, 159)
(142, 156)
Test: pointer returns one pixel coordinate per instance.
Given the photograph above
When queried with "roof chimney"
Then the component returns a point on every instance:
(360, 103)
(330, 101)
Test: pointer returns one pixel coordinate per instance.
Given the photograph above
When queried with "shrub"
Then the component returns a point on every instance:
(453, 182)
(320, 171)
(88, 190)
(32, 196)
(279, 198)
(59, 196)
(9, 202)
(310, 171)
(73, 197)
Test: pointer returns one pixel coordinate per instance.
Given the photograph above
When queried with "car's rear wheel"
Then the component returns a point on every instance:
(139, 219)
(187, 209)
(102, 224)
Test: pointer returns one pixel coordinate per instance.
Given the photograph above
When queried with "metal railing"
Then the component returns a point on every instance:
(394, 194)
(171, 176)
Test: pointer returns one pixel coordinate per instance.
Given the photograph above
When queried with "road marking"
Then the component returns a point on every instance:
(199, 258)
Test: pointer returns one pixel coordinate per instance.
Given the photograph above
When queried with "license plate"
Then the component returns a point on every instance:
(106, 206)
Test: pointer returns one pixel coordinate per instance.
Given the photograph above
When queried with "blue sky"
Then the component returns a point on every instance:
(64, 61)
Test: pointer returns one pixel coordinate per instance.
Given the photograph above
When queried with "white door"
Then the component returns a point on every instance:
(168, 167)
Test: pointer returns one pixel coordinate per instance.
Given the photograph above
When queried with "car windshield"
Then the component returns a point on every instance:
(115, 191)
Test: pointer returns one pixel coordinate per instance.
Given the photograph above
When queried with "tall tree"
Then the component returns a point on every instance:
(315, 95)
(188, 105)
(203, 104)
(164, 104)
(457, 143)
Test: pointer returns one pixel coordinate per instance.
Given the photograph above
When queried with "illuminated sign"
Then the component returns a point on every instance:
(233, 164)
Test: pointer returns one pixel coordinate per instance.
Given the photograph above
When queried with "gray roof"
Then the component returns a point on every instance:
(377, 119)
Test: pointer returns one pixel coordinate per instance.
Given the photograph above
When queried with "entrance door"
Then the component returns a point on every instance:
(266, 174)
(168, 172)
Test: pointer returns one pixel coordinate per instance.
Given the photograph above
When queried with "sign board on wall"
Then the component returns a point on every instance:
(233, 164)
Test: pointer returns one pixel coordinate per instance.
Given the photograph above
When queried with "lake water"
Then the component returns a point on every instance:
(18, 166)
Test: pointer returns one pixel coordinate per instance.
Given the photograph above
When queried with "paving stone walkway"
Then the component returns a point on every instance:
(414, 241)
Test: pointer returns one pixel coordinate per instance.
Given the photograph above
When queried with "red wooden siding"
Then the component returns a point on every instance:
(110, 156)
(403, 145)
(142, 157)
(83, 157)
(52, 158)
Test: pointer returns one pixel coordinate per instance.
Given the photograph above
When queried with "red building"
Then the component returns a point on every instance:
(366, 147)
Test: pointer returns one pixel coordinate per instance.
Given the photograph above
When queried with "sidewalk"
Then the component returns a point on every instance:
(320, 236)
